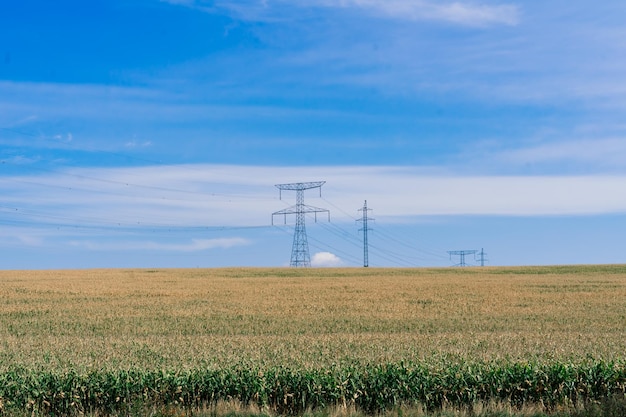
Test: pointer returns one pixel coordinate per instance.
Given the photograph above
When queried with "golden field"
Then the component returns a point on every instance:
(308, 318)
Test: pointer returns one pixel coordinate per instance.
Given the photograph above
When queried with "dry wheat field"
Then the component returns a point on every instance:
(190, 337)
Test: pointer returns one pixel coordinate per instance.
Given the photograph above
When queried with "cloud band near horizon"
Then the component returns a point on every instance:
(229, 195)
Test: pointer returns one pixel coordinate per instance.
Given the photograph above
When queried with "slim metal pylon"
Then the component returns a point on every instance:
(482, 257)
(300, 249)
(365, 229)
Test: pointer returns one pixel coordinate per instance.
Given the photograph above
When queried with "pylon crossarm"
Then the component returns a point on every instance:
(300, 185)
(461, 254)
(313, 209)
(301, 209)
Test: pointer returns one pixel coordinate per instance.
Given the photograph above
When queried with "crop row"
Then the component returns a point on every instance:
(370, 389)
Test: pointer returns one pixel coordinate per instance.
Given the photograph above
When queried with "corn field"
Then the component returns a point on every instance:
(372, 389)
(111, 342)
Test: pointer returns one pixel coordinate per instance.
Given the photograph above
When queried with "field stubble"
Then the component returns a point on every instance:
(308, 318)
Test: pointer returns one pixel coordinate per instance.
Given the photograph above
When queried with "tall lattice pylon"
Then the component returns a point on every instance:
(300, 249)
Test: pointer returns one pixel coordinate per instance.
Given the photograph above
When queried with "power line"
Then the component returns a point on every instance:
(326, 246)
(128, 184)
(356, 242)
(67, 145)
(398, 259)
(341, 233)
(89, 223)
(339, 209)
(391, 256)
(385, 235)
(323, 246)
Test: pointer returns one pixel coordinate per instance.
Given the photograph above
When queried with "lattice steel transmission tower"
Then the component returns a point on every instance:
(300, 248)
(365, 229)
(461, 254)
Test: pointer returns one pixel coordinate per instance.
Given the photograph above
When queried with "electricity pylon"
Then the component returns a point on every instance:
(300, 248)
(462, 254)
(482, 257)
(365, 229)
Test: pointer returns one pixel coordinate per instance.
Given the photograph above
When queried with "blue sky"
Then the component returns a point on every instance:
(147, 133)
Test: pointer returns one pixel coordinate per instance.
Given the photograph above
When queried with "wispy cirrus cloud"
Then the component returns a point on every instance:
(463, 13)
(604, 153)
(193, 246)
(137, 144)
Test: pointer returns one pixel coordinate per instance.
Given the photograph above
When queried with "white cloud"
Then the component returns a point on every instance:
(325, 259)
(136, 144)
(66, 138)
(30, 240)
(244, 196)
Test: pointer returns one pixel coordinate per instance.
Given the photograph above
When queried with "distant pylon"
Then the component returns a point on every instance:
(365, 229)
(300, 248)
(461, 254)
(482, 257)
